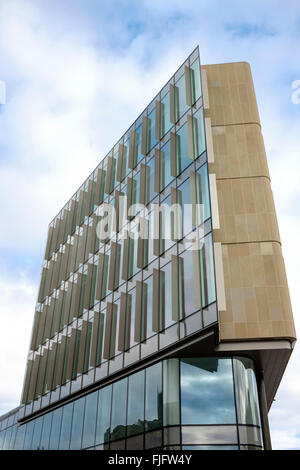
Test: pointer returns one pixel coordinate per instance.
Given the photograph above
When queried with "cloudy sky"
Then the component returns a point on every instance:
(77, 73)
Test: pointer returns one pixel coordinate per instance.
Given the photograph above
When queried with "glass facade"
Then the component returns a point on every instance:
(104, 301)
(187, 403)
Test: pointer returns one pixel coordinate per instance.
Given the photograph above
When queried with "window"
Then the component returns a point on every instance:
(55, 429)
(44, 444)
(151, 136)
(89, 427)
(207, 391)
(165, 114)
(64, 442)
(246, 391)
(153, 405)
(171, 411)
(180, 97)
(165, 166)
(182, 156)
(103, 415)
(195, 81)
(37, 433)
(77, 423)
(135, 417)
(199, 133)
(119, 404)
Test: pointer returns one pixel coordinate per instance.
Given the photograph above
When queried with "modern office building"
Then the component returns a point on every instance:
(142, 338)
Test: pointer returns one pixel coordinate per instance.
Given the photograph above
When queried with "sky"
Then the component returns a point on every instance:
(75, 74)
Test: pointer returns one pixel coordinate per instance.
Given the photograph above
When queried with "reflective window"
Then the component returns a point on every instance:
(182, 151)
(195, 81)
(207, 391)
(118, 418)
(186, 282)
(77, 423)
(138, 143)
(146, 326)
(135, 416)
(208, 275)
(171, 409)
(153, 405)
(165, 114)
(151, 136)
(19, 443)
(199, 133)
(246, 391)
(89, 427)
(165, 166)
(165, 297)
(64, 442)
(37, 433)
(55, 429)
(180, 97)
(184, 198)
(44, 444)
(28, 435)
(130, 319)
(203, 191)
(103, 415)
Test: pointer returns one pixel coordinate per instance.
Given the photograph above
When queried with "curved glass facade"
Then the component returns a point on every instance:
(179, 403)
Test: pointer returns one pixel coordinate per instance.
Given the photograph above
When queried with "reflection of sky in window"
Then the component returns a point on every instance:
(207, 395)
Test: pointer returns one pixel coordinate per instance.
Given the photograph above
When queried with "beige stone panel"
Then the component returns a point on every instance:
(227, 330)
(225, 316)
(251, 305)
(231, 93)
(258, 271)
(246, 214)
(255, 293)
(238, 305)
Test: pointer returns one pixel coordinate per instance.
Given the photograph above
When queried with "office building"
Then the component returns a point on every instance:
(163, 318)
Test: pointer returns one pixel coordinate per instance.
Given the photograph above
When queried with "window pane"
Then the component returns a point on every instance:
(147, 308)
(165, 115)
(152, 139)
(44, 444)
(196, 83)
(28, 435)
(19, 438)
(187, 282)
(37, 433)
(64, 442)
(139, 141)
(135, 417)
(100, 337)
(77, 423)
(55, 429)
(207, 391)
(180, 97)
(153, 418)
(184, 196)
(182, 156)
(118, 418)
(203, 191)
(165, 168)
(209, 274)
(89, 428)
(246, 391)
(103, 417)
(166, 298)
(171, 392)
(199, 134)
(130, 318)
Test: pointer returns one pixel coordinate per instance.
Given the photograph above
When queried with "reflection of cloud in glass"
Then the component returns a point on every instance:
(207, 391)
